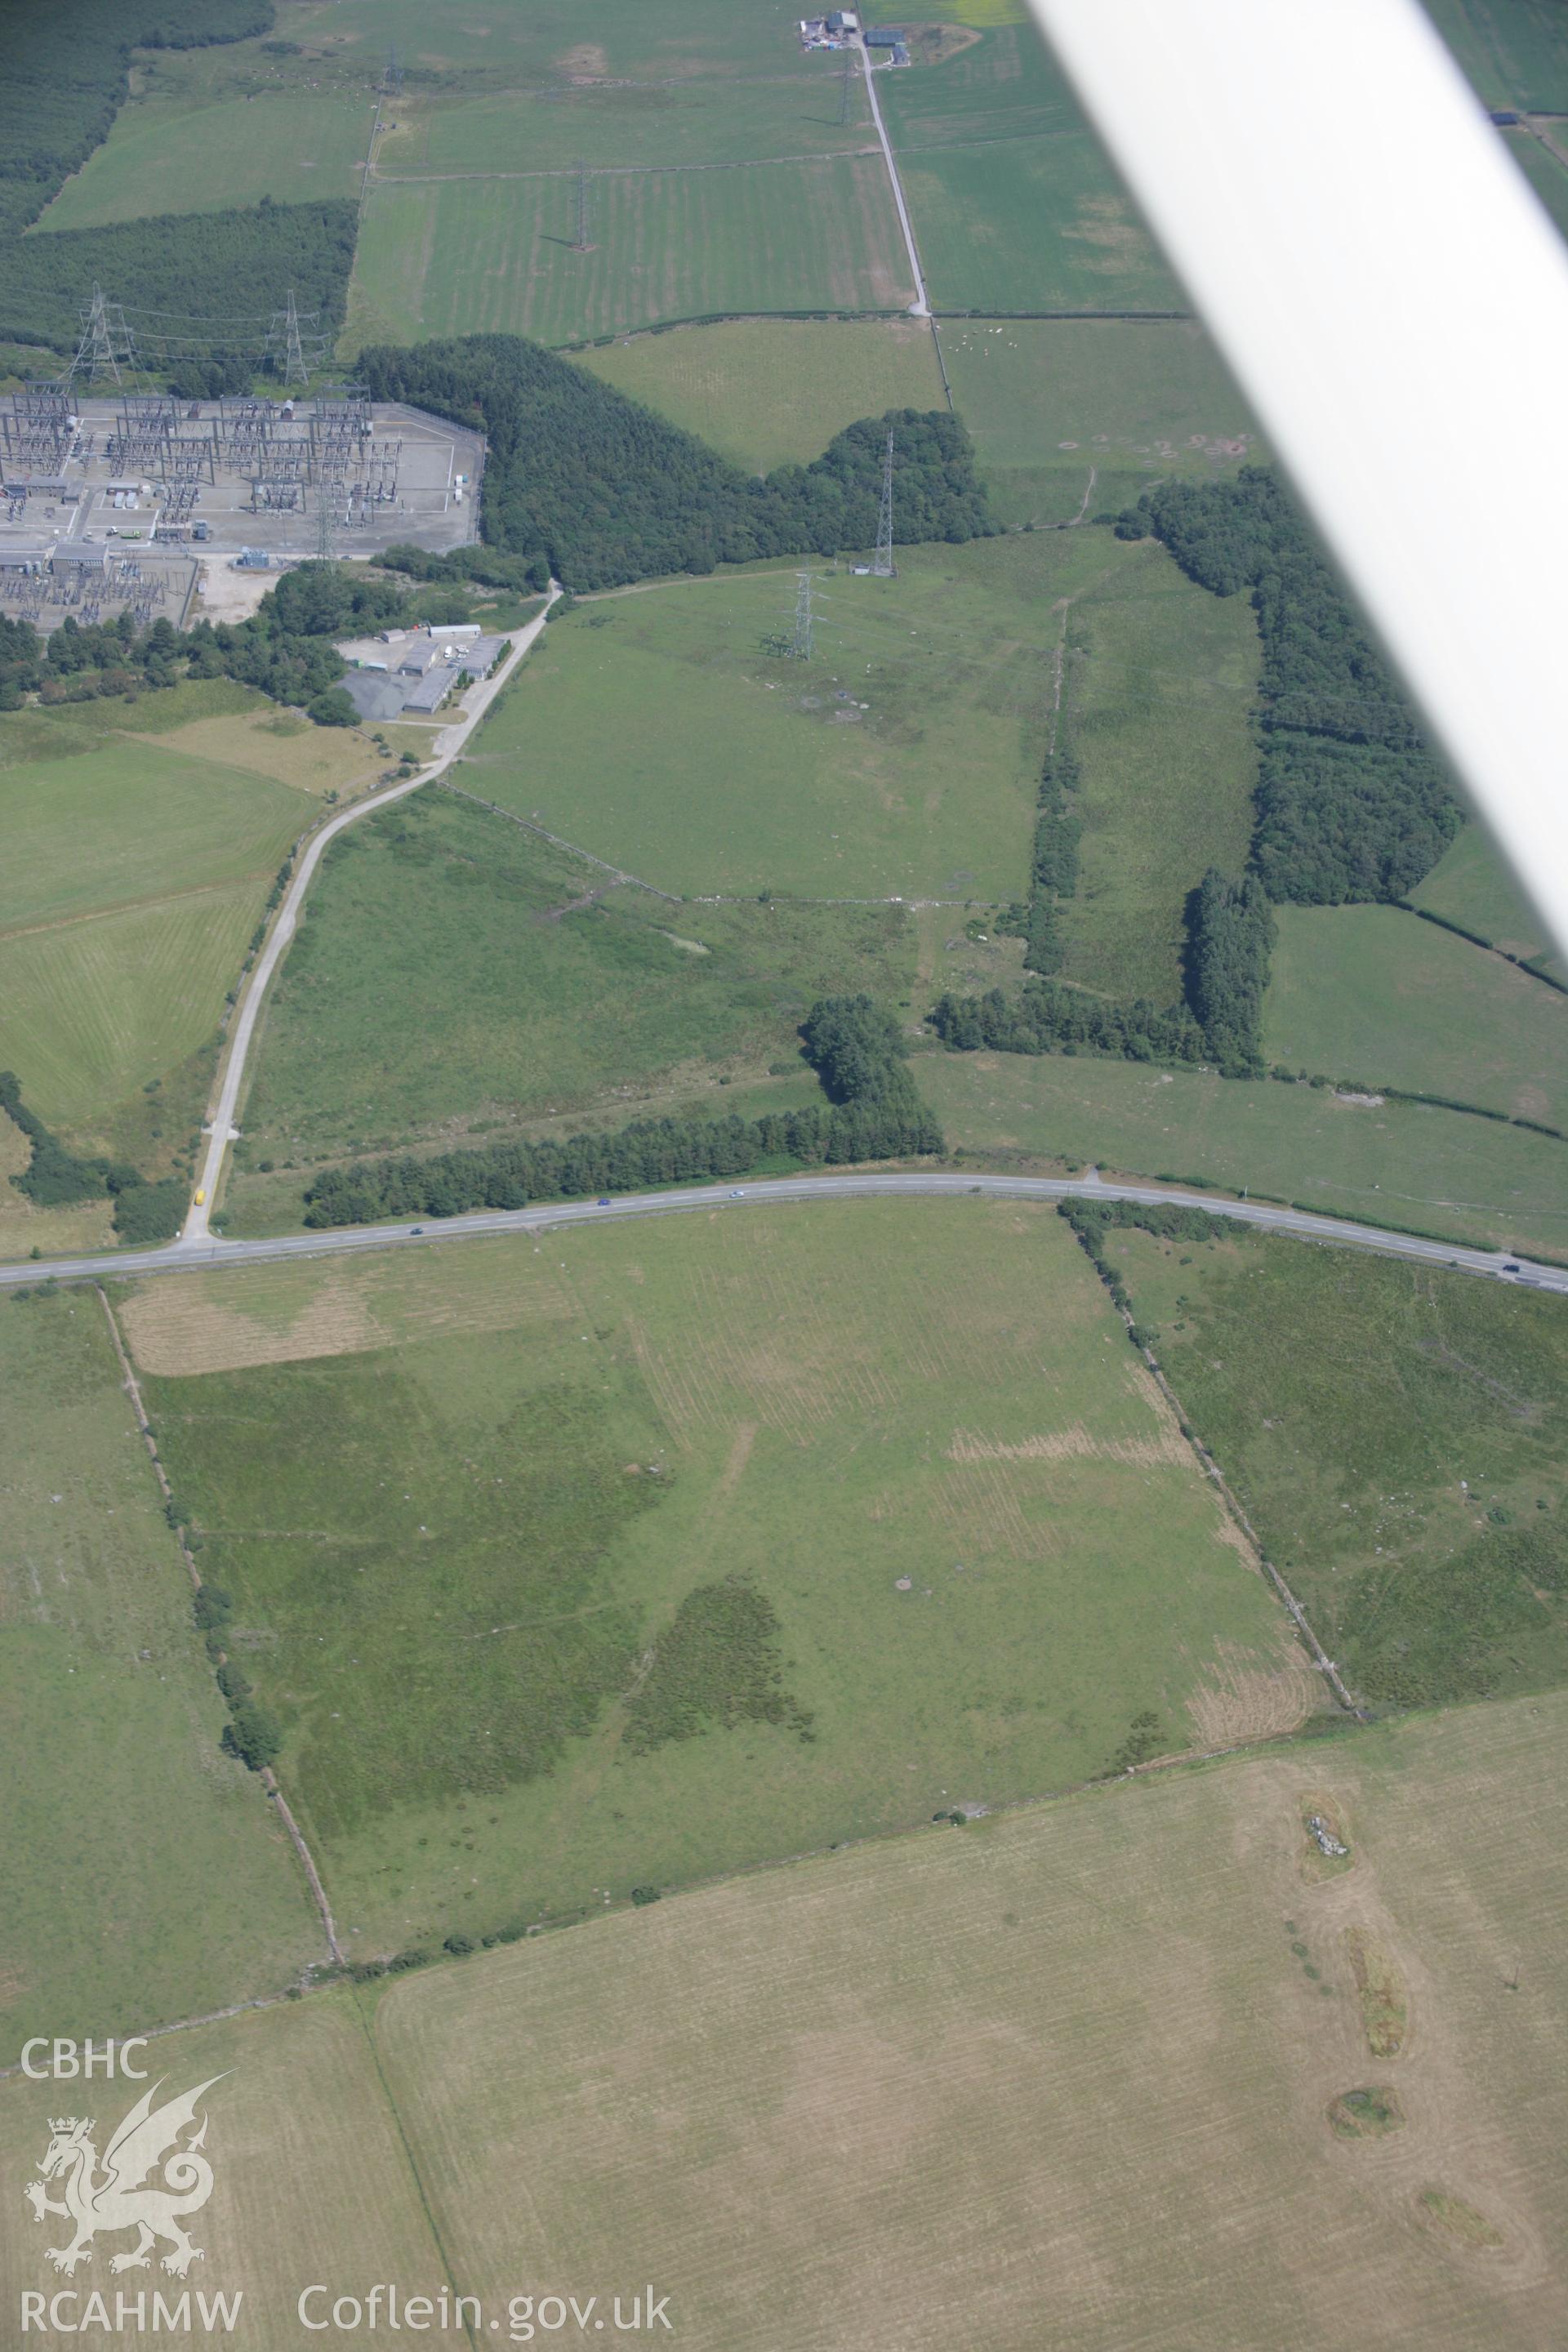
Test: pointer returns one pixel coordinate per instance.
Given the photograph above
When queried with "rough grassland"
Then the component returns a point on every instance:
(148, 1878)
(813, 2105)
(524, 986)
(1472, 885)
(1399, 1438)
(492, 42)
(266, 741)
(313, 2180)
(1369, 993)
(773, 391)
(1050, 401)
(657, 732)
(455, 256)
(1515, 51)
(1031, 224)
(96, 1009)
(164, 157)
(1160, 684)
(498, 1618)
(1398, 1162)
(131, 822)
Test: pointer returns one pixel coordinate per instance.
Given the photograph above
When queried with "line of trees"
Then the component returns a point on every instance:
(586, 484)
(1231, 932)
(1352, 804)
(1049, 1018)
(874, 1113)
(55, 1177)
(1053, 867)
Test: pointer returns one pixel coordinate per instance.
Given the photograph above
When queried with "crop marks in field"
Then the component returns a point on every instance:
(1010, 2028)
(1070, 414)
(520, 1529)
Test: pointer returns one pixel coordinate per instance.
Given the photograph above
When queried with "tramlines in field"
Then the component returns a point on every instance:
(462, 255)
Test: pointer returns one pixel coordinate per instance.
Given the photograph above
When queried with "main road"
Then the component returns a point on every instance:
(449, 744)
(192, 1251)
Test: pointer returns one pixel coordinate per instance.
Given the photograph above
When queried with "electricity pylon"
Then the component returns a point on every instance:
(884, 567)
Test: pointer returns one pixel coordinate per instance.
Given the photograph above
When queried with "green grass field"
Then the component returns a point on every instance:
(494, 42)
(1050, 402)
(1160, 684)
(139, 871)
(148, 1878)
(773, 391)
(98, 1009)
(1515, 51)
(721, 1539)
(1370, 994)
(1402, 1163)
(1398, 1437)
(814, 2106)
(1031, 224)
(656, 730)
(1472, 885)
(131, 822)
(457, 257)
(516, 998)
(163, 156)
(707, 119)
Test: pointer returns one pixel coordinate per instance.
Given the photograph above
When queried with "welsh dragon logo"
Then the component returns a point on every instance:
(146, 2141)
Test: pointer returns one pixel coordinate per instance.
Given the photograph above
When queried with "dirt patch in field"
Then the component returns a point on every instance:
(1382, 1990)
(1105, 223)
(588, 61)
(1244, 1697)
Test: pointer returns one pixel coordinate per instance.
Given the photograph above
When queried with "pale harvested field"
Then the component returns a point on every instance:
(310, 2181)
(1058, 2080)
(271, 744)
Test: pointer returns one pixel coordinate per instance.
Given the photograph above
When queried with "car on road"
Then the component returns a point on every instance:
(1511, 1268)
(416, 1229)
(737, 1195)
(604, 1199)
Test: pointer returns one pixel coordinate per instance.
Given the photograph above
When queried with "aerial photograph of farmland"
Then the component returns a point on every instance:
(783, 1217)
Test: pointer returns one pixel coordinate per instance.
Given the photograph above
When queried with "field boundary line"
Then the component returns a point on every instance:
(619, 171)
(130, 906)
(529, 825)
(559, 1923)
(266, 1775)
(367, 2024)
